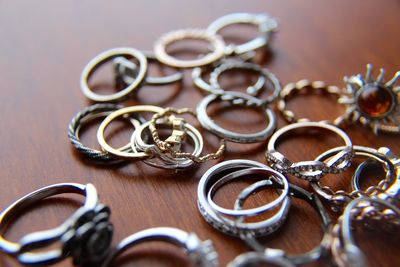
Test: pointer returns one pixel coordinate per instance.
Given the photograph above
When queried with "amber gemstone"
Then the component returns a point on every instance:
(375, 100)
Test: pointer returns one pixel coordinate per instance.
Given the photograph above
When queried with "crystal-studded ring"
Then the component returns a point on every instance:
(200, 253)
(235, 226)
(235, 98)
(309, 170)
(103, 57)
(280, 257)
(266, 26)
(388, 188)
(160, 48)
(86, 235)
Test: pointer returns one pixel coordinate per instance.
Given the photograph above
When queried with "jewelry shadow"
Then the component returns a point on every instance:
(150, 257)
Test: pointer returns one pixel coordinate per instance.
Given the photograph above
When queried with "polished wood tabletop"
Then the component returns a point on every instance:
(44, 46)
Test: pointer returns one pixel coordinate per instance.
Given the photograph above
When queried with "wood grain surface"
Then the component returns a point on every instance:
(44, 46)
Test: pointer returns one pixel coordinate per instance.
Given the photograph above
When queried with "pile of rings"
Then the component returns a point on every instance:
(87, 235)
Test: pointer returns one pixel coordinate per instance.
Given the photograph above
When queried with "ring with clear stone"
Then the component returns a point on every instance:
(200, 253)
(309, 170)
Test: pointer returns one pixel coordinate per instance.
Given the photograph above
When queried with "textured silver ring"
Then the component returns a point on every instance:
(235, 98)
(86, 235)
(200, 253)
(103, 57)
(252, 90)
(198, 80)
(309, 170)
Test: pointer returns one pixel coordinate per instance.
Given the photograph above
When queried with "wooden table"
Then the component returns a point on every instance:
(45, 45)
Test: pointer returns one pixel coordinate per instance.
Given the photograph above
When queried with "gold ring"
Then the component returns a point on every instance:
(128, 110)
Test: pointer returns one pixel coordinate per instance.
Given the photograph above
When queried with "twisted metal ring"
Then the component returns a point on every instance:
(236, 98)
(119, 113)
(252, 90)
(279, 256)
(309, 170)
(126, 70)
(344, 249)
(200, 253)
(305, 86)
(86, 115)
(86, 235)
(160, 46)
(168, 161)
(266, 26)
(103, 57)
(387, 189)
(229, 226)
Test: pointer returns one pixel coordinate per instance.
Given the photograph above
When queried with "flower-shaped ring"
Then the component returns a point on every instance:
(86, 235)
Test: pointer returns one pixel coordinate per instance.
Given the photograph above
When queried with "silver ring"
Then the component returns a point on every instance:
(268, 173)
(104, 56)
(236, 98)
(200, 253)
(313, 255)
(86, 235)
(390, 185)
(254, 258)
(309, 170)
(345, 251)
(266, 25)
(161, 44)
(231, 226)
(252, 90)
(139, 145)
(126, 70)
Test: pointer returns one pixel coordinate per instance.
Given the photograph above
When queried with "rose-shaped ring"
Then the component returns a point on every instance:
(200, 253)
(86, 235)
